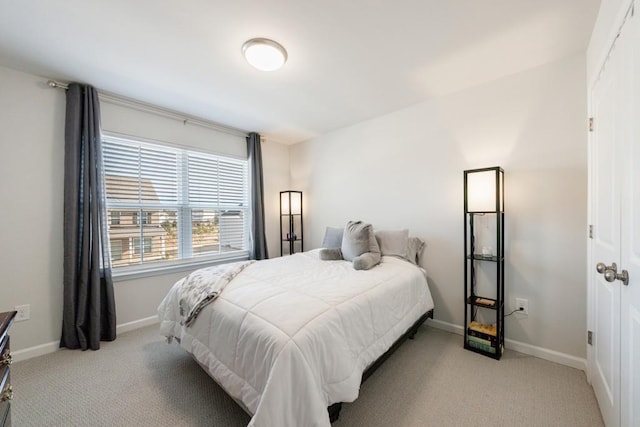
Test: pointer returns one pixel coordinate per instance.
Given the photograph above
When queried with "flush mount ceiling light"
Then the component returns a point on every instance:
(264, 54)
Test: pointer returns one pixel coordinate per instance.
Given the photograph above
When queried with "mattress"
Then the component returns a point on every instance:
(292, 335)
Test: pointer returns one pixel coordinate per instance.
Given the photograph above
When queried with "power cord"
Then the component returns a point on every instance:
(517, 309)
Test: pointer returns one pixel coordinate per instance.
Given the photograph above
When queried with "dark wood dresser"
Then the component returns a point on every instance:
(6, 392)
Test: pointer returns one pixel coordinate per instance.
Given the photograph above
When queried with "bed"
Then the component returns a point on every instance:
(292, 336)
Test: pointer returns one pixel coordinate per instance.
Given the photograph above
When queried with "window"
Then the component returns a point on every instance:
(169, 205)
(147, 218)
(147, 248)
(116, 250)
(114, 217)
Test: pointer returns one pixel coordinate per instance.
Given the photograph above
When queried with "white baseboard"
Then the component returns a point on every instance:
(50, 347)
(520, 347)
(141, 323)
(446, 326)
(38, 350)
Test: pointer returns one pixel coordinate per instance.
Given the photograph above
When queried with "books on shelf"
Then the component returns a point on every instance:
(482, 328)
(482, 337)
(489, 338)
(479, 340)
(473, 342)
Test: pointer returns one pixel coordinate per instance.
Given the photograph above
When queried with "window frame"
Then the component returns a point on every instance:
(147, 218)
(144, 247)
(114, 218)
(119, 250)
(186, 260)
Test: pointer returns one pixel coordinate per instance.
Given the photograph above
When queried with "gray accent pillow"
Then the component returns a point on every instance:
(366, 260)
(393, 242)
(332, 237)
(330, 254)
(357, 239)
(415, 245)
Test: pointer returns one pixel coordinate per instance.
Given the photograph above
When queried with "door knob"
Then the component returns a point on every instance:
(623, 277)
(601, 267)
(610, 275)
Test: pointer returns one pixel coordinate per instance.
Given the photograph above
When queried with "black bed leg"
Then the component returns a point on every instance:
(412, 333)
(334, 411)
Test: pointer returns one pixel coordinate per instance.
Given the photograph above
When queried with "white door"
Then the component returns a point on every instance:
(605, 207)
(614, 359)
(630, 232)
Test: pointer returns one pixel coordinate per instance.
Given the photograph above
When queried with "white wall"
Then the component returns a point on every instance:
(31, 191)
(275, 159)
(122, 119)
(31, 178)
(405, 170)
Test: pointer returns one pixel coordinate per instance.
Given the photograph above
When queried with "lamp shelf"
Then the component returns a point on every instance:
(480, 257)
(291, 227)
(483, 212)
(484, 228)
(483, 302)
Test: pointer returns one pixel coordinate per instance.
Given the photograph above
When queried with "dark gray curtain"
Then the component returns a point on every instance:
(258, 249)
(89, 313)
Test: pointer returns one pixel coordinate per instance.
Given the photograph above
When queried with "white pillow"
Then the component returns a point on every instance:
(393, 242)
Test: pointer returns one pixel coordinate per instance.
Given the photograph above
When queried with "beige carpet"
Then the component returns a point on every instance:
(139, 380)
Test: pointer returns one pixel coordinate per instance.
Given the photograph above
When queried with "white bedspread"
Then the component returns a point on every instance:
(292, 335)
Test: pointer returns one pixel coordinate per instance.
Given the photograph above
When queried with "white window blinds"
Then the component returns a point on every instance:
(168, 204)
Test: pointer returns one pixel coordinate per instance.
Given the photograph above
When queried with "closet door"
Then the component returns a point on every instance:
(604, 357)
(630, 231)
(614, 358)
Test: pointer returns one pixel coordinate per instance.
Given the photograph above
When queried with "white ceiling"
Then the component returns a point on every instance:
(349, 60)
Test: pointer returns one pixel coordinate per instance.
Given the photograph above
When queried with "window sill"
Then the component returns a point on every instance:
(131, 273)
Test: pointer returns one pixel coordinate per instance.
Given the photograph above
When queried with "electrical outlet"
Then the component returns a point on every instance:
(522, 305)
(24, 312)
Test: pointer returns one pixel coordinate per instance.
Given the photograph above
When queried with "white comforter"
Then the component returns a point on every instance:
(292, 335)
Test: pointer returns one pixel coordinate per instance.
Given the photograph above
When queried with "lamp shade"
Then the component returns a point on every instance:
(484, 190)
(291, 202)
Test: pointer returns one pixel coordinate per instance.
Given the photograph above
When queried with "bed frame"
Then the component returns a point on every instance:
(334, 410)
